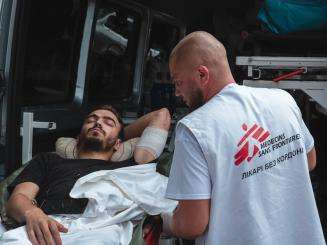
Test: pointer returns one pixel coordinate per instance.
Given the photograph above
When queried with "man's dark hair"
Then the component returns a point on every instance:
(116, 113)
(108, 108)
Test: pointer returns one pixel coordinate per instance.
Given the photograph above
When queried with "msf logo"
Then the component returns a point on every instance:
(255, 132)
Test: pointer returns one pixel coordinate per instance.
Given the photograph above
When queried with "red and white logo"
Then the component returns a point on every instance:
(255, 132)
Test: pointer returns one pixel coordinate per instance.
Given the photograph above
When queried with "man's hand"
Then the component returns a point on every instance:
(41, 229)
(189, 220)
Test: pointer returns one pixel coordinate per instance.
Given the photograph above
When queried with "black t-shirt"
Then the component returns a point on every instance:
(56, 176)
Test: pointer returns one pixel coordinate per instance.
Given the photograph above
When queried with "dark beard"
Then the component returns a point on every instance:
(94, 145)
(197, 100)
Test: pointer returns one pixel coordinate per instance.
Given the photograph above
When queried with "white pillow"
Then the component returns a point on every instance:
(66, 148)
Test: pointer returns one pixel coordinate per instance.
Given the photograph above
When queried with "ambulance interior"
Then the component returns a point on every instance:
(69, 55)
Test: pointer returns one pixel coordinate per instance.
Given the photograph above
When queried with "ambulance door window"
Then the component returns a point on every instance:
(158, 89)
(113, 53)
(53, 39)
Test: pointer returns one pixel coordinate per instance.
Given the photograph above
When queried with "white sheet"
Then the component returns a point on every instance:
(117, 199)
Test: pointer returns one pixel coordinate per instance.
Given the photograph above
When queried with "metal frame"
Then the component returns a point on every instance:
(7, 61)
(9, 112)
(84, 54)
(26, 131)
(5, 11)
(317, 90)
(281, 61)
(258, 63)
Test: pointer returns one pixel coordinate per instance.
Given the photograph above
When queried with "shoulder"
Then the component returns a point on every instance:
(282, 94)
(272, 93)
(284, 101)
(288, 98)
(266, 97)
(49, 156)
(185, 133)
(45, 157)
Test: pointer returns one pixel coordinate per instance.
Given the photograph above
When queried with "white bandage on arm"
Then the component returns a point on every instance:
(153, 139)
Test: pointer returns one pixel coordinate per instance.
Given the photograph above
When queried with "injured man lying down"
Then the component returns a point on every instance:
(92, 199)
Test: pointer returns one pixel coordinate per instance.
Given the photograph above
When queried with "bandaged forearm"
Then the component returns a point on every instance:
(153, 139)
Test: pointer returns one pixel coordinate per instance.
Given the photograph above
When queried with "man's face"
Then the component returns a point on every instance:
(100, 131)
(187, 86)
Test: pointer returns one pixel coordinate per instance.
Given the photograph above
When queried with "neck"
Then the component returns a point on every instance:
(217, 86)
(95, 155)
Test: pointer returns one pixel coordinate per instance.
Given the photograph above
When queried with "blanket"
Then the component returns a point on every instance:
(118, 199)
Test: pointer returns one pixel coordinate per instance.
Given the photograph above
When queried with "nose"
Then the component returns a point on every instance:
(97, 124)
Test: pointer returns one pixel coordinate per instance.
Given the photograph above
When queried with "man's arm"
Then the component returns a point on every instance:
(306, 135)
(189, 220)
(160, 120)
(39, 227)
(20, 201)
(189, 182)
(312, 158)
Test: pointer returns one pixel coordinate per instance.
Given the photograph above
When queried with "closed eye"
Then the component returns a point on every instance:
(91, 118)
(110, 123)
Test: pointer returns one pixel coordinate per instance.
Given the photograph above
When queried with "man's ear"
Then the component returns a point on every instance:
(203, 73)
(117, 144)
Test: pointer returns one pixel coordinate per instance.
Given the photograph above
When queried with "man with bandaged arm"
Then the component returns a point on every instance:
(43, 187)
